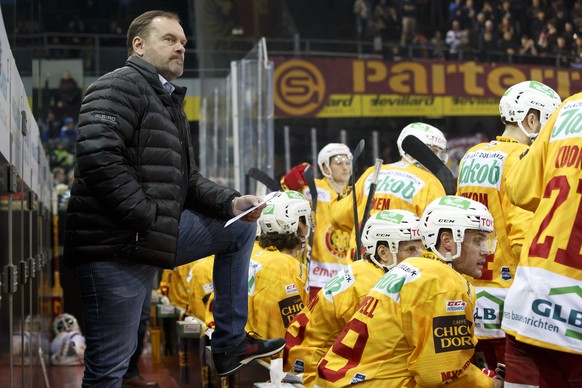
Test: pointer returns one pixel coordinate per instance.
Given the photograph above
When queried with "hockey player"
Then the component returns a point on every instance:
(330, 245)
(200, 287)
(542, 317)
(389, 237)
(524, 109)
(277, 279)
(402, 185)
(415, 327)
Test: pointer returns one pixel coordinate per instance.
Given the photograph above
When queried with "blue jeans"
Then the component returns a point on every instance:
(115, 295)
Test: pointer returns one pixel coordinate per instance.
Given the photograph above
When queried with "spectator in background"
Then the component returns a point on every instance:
(362, 14)
(508, 46)
(59, 156)
(456, 38)
(527, 49)
(408, 14)
(562, 52)
(69, 94)
(54, 125)
(488, 43)
(438, 45)
(68, 134)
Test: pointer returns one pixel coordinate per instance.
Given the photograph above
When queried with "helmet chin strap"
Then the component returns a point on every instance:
(531, 135)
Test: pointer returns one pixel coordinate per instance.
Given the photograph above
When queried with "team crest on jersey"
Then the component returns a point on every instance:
(337, 242)
(358, 378)
(299, 366)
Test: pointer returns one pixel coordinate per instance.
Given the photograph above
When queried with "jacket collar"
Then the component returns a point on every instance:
(150, 73)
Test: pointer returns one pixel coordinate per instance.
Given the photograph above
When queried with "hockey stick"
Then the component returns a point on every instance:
(309, 178)
(424, 155)
(264, 178)
(308, 174)
(356, 155)
(371, 192)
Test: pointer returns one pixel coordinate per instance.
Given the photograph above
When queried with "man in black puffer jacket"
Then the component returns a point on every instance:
(138, 203)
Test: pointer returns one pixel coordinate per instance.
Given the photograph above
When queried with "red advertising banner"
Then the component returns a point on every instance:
(375, 88)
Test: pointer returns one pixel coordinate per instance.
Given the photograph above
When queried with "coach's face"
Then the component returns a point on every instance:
(163, 47)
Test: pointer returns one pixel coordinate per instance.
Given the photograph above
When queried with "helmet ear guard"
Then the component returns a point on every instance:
(392, 227)
(429, 135)
(517, 101)
(457, 214)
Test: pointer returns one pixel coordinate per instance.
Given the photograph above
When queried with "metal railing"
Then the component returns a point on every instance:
(104, 52)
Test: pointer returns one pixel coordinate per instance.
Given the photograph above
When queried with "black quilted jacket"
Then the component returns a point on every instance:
(126, 199)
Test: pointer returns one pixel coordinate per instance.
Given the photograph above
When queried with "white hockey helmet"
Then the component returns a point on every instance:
(429, 135)
(282, 213)
(457, 214)
(520, 98)
(65, 323)
(392, 226)
(329, 151)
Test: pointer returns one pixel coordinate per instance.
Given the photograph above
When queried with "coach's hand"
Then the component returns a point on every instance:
(242, 204)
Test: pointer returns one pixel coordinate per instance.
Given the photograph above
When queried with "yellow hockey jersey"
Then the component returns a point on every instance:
(313, 330)
(481, 173)
(400, 186)
(414, 328)
(277, 292)
(543, 306)
(177, 283)
(200, 286)
(329, 253)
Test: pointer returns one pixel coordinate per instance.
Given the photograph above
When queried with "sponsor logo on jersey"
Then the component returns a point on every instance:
(208, 287)
(289, 307)
(505, 273)
(451, 333)
(449, 376)
(400, 184)
(489, 310)
(567, 312)
(254, 267)
(569, 123)
(392, 282)
(455, 306)
(358, 378)
(298, 366)
(291, 289)
(338, 283)
(482, 168)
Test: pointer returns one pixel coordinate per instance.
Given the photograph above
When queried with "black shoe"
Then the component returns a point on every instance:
(138, 381)
(226, 363)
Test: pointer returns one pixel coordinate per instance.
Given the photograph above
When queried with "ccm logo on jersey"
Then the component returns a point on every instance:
(452, 333)
(290, 289)
(455, 306)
